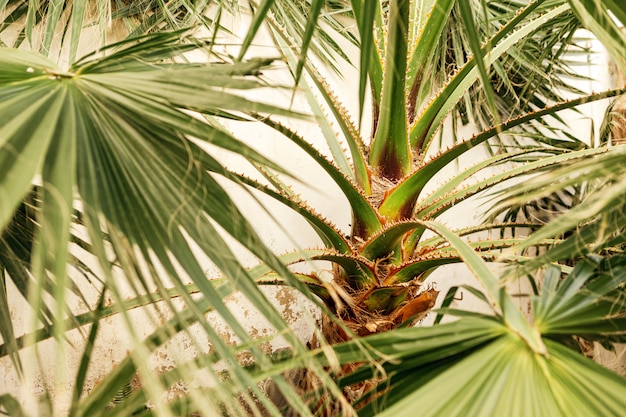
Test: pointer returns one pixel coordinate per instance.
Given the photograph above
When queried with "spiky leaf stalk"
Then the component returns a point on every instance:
(390, 154)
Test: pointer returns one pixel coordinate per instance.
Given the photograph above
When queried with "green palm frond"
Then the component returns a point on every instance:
(477, 355)
(110, 136)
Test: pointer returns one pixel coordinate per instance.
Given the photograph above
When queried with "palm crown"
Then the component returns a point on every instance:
(416, 77)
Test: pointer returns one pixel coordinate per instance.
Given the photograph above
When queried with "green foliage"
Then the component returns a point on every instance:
(111, 184)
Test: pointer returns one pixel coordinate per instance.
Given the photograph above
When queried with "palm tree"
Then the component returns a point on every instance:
(106, 181)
